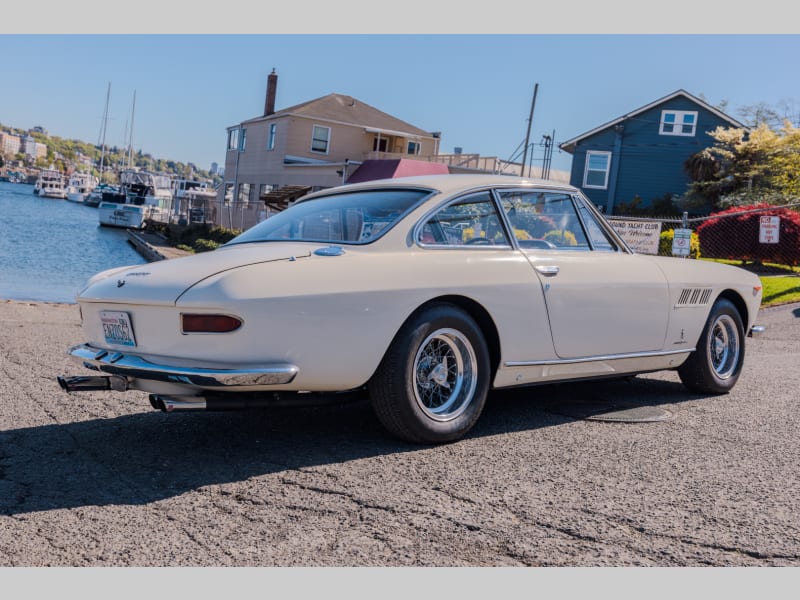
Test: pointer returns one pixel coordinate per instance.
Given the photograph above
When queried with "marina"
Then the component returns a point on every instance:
(49, 249)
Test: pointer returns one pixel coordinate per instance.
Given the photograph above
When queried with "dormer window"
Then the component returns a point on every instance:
(678, 122)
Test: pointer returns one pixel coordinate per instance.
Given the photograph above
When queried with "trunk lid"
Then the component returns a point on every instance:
(164, 281)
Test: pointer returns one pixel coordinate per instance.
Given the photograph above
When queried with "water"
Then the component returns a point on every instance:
(49, 248)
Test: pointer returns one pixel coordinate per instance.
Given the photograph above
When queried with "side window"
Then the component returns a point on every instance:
(599, 238)
(469, 221)
(545, 220)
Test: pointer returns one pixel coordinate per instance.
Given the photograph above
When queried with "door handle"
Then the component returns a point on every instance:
(547, 270)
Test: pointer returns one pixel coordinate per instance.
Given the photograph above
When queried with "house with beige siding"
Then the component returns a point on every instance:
(307, 147)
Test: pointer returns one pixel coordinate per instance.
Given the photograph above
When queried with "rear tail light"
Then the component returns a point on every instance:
(209, 323)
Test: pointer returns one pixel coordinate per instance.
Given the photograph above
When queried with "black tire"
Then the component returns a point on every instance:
(432, 383)
(715, 365)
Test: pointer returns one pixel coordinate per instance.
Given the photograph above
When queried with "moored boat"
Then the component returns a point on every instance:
(146, 196)
(50, 184)
(194, 201)
(80, 185)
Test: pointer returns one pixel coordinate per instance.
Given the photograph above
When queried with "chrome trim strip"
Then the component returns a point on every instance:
(756, 330)
(138, 368)
(571, 361)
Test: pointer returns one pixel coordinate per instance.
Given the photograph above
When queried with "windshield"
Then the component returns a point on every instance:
(347, 218)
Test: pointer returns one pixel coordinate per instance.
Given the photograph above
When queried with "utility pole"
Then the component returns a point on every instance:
(528, 134)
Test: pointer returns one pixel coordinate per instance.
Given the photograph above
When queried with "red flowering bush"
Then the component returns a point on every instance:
(737, 237)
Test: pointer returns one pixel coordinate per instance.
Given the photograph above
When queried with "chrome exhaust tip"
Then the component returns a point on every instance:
(90, 383)
(177, 403)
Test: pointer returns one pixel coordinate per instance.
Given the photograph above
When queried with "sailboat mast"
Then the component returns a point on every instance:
(130, 139)
(103, 130)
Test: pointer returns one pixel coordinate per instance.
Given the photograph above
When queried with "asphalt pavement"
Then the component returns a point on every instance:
(636, 472)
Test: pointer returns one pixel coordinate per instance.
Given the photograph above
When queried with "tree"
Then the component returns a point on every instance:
(761, 113)
(747, 166)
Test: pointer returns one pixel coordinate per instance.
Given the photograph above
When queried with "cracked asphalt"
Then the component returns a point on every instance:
(100, 479)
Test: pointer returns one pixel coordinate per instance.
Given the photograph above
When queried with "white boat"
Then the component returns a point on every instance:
(194, 200)
(123, 214)
(144, 195)
(50, 184)
(79, 186)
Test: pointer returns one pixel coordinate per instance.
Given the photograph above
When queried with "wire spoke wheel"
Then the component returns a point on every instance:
(715, 366)
(445, 374)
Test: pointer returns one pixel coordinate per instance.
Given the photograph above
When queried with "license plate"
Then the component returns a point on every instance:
(117, 328)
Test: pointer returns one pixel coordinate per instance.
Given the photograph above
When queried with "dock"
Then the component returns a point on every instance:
(153, 246)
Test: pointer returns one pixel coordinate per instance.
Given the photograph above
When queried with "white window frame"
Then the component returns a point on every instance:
(327, 139)
(678, 123)
(273, 132)
(590, 153)
(242, 139)
(417, 148)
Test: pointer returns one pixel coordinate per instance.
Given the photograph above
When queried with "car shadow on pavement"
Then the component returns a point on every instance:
(150, 456)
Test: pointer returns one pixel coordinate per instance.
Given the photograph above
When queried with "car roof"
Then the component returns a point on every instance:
(447, 184)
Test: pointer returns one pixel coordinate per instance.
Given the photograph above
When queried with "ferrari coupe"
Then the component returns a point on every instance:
(425, 293)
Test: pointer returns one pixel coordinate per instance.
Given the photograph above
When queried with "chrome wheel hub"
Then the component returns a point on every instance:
(723, 346)
(445, 374)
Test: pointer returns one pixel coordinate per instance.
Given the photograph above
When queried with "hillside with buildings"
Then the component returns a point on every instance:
(29, 151)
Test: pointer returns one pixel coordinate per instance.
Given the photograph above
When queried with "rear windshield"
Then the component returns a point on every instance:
(347, 218)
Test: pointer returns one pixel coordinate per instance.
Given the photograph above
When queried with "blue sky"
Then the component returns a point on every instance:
(474, 88)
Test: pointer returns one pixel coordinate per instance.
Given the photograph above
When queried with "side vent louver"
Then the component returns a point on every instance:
(694, 297)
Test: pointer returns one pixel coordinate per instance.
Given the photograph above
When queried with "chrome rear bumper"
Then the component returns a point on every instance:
(127, 365)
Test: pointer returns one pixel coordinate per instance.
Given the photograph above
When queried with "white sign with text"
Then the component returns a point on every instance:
(682, 242)
(769, 230)
(641, 236)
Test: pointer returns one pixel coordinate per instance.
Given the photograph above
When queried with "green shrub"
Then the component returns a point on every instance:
(203, 245)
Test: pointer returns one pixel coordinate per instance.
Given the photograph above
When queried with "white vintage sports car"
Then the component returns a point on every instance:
(427, 291)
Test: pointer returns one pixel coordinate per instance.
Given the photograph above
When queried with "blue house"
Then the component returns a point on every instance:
(642, 152)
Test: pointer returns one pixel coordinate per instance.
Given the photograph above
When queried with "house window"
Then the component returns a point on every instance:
(233, 139)
(319, 139)
(273, 128)
(228, 197)
(413, 147)
(597, 167)
(243, 140)
(379, 145)
(244, 193)
(678, 122)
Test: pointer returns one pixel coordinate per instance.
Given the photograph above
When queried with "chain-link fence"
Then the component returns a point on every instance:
(768, 236)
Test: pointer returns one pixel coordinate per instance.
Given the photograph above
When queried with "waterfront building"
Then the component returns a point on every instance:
(9, 144)
(33, 148)
(311, 146)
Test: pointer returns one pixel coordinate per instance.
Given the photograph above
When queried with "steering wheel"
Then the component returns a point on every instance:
(479, 240)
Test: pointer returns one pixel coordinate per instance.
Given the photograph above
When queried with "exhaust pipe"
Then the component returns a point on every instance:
(89, 383)
(177, 403)
(246, 400)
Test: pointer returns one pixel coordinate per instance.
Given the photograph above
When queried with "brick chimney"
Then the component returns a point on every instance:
(272, 86)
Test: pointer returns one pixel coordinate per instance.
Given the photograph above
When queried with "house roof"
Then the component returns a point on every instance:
(349, 110)
(569, 145)
(370, 170)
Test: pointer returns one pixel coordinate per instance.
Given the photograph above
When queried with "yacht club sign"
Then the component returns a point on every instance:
(642, 237)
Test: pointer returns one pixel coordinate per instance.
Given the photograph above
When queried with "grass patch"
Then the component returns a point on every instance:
(781, 282)
(780, 290)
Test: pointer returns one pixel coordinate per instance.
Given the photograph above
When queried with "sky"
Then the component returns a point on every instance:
(475, 88)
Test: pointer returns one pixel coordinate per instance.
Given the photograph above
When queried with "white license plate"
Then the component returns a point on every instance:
(117, 328)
